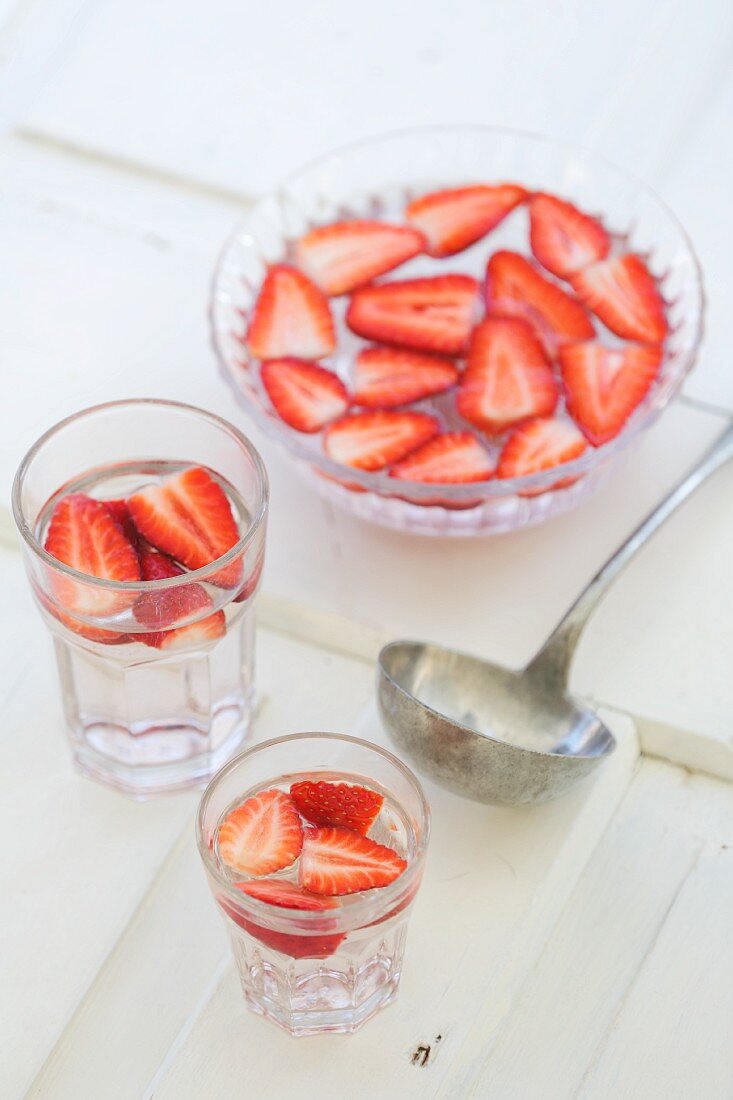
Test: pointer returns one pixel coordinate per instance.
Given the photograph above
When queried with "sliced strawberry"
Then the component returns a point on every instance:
(194, 635)
(514, 286)
(452, 220)
(624, 294)
(121, 513)
(251, 583)
(91, 633)
(291, 317)
(435, 314)
(298, 944)
(159, 610)
(373, 440)
(540, 445)
(387, 377)
(508, 377)
(338, 861)
(605, 385)
(345, 255)
(262, 835)
(305, 395)
(563, 239)
(345, 804)
(84, 535)
(188, 517)
(452, 458)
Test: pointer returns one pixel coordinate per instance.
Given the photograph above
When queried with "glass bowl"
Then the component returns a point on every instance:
(377, 178)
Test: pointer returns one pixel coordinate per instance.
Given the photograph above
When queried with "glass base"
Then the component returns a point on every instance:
(141, 781)
(313, 996)
(324, 1021)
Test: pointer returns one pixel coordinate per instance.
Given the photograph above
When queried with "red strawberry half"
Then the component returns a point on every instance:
(286, 895)
(540, 445)
(291, 317)
(84, 534)
(452, 220)
(121, 513)
(165, 608)
(563, 239)
(188, 517)
(508, 377)
(514, 286)
(452, 458)
(305, 395)
(338, 861)
(605, 385)
(324, 803)
(194, 635)
(625, 296)
(343, 256)
(262, 835)
(387, 377)
(435, 314)
(373, 440)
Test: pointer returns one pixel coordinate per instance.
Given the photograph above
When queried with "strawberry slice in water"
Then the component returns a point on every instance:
(373, 440)
(624, 294)
(453, 458)
(163, 609)
(540, 445)
(304, 395)
(318, 942)
(515, 287)
(452, 220)
(121, 513)
(338, 861)
(188, 517)
(84, 535)
(508, 377)
(563, 239)
(345, 804)
(262, 835)
(291, 318)
(605, 385)
(434, 314)
(345, 255)
(385, 377)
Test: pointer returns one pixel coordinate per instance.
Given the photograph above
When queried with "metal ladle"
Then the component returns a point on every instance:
(506, 737)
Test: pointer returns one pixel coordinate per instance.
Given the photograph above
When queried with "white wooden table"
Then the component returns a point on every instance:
(579, 950)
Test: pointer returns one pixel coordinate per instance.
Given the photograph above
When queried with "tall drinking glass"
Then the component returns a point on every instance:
(148, 708)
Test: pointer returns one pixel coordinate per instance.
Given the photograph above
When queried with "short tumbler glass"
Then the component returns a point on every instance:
(147, 718)
(328, 970)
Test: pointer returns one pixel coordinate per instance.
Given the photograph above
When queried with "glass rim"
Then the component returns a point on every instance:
(387, 895)
(494, 488)
(187, 577)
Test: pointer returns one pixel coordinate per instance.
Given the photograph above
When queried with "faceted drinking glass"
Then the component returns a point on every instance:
(144, 717)
(332, 969)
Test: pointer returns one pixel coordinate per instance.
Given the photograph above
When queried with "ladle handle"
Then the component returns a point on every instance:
(554, 659)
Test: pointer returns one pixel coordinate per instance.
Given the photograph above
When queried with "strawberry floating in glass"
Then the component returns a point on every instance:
(314, 846)
(452, 273)
(143, 525)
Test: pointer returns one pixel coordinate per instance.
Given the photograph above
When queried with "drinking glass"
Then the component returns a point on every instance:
(144, 717)
(331, 969)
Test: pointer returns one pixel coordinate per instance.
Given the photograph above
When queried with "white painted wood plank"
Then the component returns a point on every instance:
(672, 1035)
(495, 881)
(238, 95)
(174, 945)
(78, 857)
(661, 847)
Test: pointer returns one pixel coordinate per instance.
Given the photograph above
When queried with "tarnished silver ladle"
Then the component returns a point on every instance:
(511, 737)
